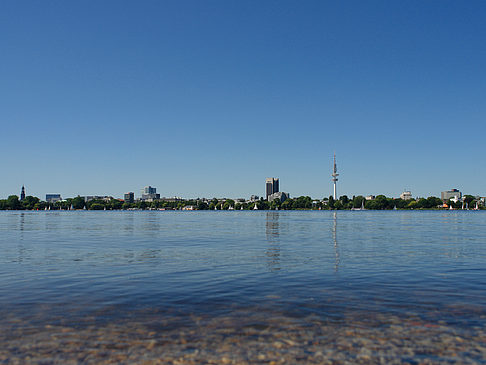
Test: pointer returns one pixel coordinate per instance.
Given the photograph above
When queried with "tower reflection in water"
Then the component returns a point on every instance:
(273, 239)
(335, 241)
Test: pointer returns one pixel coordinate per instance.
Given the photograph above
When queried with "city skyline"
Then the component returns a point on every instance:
(149, 193)
(209, 98)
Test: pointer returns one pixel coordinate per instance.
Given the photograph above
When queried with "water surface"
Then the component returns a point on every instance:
(243, 287)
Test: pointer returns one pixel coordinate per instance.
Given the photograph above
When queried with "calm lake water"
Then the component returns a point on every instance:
(243, 287)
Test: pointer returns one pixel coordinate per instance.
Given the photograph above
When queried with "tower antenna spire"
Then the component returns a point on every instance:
(334, 177)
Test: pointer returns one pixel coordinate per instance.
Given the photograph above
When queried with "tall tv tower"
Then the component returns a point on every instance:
(334, 177)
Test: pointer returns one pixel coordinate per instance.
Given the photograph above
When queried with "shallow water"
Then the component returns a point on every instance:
(243, 287)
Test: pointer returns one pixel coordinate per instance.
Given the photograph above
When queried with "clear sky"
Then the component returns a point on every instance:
(208, 98)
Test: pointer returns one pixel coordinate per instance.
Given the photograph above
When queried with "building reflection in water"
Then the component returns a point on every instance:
(335, 241)
(273, 239)
(129, 223)
(22, 224)
(21, 247)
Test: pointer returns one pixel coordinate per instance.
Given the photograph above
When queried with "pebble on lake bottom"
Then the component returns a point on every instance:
(243, 338)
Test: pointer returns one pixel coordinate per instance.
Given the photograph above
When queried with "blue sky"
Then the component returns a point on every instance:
(208, 98)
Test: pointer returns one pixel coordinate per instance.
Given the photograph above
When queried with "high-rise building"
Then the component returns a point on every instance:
(22, 193)
(271, 185)
(129, 197)
(150, 194)
(450, 194)
(149, 190)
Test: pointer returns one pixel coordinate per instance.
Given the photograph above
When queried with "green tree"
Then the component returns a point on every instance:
(381, 202)
(302, 202)
(400, 203)
(344, 199)
(468, 199)
(141, 204)
(29, 202)
(358, 201)
(96, 205)
(338, 205)
(263, 205)
(288, 204)
(412, 204)
(78, 203)
(422, 203)
(330, 203)
(457, 205)
(275, 204)
(228, 203)
(115, 204)
(13, 202)
(40, 205)
(127, 205)
(202, 205)
(434, 202)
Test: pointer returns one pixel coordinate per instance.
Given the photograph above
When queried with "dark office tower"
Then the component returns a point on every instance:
(271, 185)
(129, 197)
(22, 193)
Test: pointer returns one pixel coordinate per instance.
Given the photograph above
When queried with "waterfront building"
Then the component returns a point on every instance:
(334, 178)
(453, 194)
(370, 197)
(52, 198)
(271, 186)
(149, 190)
(280, 195)
(174, 199)
(97, 197)
(406, 195)
(129, 197)
(149, 194)
(22, 193)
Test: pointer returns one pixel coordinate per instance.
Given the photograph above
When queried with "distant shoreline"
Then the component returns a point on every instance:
(356, 203)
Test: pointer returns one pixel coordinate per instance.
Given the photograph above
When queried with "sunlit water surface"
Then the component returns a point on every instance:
(243, 287)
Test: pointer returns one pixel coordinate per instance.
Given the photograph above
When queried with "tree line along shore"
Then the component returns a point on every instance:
(381, 202)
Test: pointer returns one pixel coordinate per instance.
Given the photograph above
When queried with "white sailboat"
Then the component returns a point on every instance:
(255, 207)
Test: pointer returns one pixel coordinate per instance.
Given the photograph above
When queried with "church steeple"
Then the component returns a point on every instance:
(22, 193)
